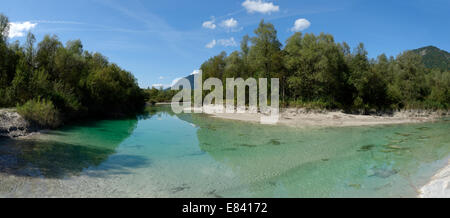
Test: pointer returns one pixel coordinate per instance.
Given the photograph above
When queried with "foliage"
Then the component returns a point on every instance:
(317, 72)
(154, 95)
(433, 57)
(76, 83)
(41, 112)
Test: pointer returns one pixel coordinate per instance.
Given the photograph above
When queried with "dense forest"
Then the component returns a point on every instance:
(317, 72)
(154, 95)
(433, 57)
(51, 83)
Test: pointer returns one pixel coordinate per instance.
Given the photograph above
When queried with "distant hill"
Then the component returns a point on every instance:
(433, 57)
(191, 79)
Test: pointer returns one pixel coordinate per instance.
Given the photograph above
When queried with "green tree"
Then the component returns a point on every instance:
(317, 70)
(64, 82)
(410, 79)
(265, 52)
(214, 67)
(369, 77)
(4, 28)
(439, 81)
(46, 54)
(234, 66)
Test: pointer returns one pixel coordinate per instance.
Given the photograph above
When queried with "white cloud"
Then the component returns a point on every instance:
(210, 24)
(223, 42)
(211, 44)
(195, 72)
(300, 25)
(161, 77)
(227, 42)
(17, 29)
(158, 86)
(260, 6)
(175, 81)
(230, 23)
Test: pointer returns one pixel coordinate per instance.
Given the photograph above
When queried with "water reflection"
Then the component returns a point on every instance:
(160, 153)
(56, 154)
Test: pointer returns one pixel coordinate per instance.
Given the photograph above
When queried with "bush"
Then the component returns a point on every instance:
(41, 112)
(314, 105)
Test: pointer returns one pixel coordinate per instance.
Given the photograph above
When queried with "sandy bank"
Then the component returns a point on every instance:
(304, 118)
(439, 185)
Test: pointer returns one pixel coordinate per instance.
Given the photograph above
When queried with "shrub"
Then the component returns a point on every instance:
(316, 104)
(41, 112)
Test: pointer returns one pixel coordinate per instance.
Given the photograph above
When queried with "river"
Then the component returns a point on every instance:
(160, 154)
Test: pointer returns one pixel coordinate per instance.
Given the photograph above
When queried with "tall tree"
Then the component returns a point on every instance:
(4, 27)
(410, 77)
(317, 69)
(46, 54)
(264, 54)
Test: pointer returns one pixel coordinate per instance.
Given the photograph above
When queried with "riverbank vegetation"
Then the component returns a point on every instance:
(315, 71)
(154, 95)
(51, 83)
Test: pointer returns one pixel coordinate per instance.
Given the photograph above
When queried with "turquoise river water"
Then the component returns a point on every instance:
(161, 154)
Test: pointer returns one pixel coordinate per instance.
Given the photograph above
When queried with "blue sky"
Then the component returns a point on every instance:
(159, 41)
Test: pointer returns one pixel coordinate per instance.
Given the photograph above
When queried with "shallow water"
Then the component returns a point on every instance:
(166, 155)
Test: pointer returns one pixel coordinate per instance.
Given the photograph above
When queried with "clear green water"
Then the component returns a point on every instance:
(167, 155)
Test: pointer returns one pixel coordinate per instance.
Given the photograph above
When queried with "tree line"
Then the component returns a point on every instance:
(51, 83)
(161, 95)
(317, 72)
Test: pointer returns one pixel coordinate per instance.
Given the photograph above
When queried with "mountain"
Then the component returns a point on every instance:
(434, 57)
(191, 79)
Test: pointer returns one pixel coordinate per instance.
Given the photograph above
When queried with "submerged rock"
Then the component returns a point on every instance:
(13, 125)
(403, 134)
(247, 145)
(179, 188)
(383, 173)
(214, 194)
(355, 186)
(275, 142)
(366, 148)
(229, 149)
